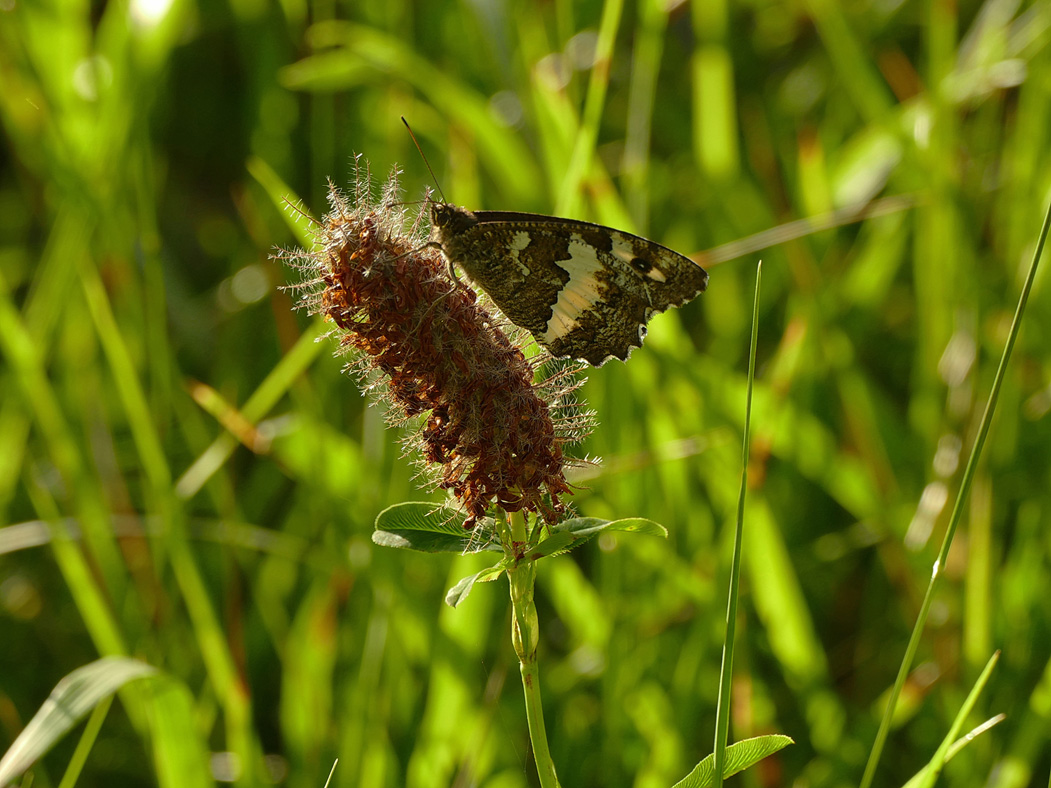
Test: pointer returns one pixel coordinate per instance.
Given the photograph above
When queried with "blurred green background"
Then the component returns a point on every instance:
(187, 477)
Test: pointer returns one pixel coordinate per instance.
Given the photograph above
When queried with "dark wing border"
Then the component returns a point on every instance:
(521, 217)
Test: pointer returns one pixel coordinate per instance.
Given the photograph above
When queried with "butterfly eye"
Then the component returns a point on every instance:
(640, 265)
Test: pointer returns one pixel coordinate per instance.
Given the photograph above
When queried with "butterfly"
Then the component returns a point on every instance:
(582, 290)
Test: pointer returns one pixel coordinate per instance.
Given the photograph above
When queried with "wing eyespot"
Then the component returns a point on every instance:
(641, 265)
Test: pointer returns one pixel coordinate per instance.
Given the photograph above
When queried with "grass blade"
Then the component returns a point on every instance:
(70, 701)
(948, 748)
(722, 711)
(957, 512)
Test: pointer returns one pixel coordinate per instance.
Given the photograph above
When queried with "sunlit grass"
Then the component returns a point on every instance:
(145, 168)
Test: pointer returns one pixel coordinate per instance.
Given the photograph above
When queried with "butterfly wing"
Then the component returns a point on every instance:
(582, 290)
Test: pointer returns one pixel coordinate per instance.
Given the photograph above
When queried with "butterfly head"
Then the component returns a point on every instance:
(447, 219)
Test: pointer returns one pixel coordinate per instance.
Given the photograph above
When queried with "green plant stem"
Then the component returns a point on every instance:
(957, 513)
(517, 525)
(722, 709)
(87, 741)
(525, 635)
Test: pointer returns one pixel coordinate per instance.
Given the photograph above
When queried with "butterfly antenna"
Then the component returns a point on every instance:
(417, 144)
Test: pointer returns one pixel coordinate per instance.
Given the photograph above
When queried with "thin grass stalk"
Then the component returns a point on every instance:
(722, 708)
(645, 69)
(22, 357)
(587, 134)
(525, 635)
(941, 756)
(331, 772)
(263, 399)
(957, 512)
(86, 743)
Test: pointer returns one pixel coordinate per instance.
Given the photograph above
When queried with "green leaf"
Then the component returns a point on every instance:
(458, 593)
(71, 700)
(573, 533)
(430, 528)
(739, 756)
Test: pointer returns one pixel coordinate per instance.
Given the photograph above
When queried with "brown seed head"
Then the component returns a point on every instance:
(437, 355)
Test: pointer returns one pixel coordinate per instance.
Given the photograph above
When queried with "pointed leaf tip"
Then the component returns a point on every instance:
(739, 756)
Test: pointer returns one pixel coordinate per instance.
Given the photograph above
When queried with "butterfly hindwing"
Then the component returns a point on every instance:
(582, 290)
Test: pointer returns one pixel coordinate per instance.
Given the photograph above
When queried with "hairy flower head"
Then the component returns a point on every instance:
(426, 344)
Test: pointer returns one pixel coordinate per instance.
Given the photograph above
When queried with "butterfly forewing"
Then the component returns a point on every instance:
(582, 290)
